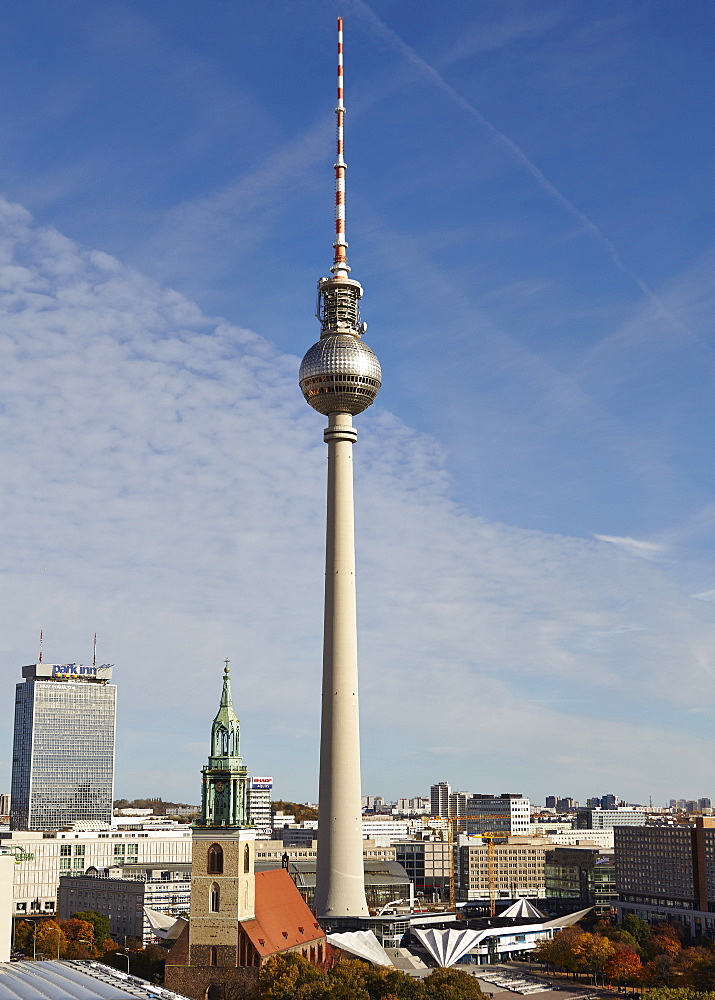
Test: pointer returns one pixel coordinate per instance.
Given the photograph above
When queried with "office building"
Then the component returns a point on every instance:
(260, 807)
(428, 864)
(121, 894)
(583, 875)
(47, 856)
(508, 813)
(63, 750)
(598, 818)
(515, 868)
(668, 873)
(439, 799)
(459, 810)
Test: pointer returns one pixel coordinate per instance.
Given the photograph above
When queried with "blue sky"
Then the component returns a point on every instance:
(530, 211)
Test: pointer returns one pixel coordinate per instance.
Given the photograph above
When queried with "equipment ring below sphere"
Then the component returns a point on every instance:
(340, 374)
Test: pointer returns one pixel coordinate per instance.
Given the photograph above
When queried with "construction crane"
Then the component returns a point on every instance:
(491, 868)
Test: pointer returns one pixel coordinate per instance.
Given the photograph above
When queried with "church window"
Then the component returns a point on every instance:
(214, 992)
(215, 898)
(213, 957)
(215, 860)
(246, 858)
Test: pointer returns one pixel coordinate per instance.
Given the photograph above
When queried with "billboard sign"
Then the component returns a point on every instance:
(262, 783)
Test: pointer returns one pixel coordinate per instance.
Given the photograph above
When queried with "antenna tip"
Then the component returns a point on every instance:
(340, 24)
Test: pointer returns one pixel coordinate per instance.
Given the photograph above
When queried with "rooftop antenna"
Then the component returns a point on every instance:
(94, 657)
(340, 261)
(40, 658)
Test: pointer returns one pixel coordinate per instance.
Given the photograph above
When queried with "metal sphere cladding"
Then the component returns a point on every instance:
(340, 374)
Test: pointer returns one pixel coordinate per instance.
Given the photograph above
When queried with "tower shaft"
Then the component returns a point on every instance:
(340, 885)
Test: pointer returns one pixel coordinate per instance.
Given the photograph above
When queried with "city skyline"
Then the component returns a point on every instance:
(533, 497)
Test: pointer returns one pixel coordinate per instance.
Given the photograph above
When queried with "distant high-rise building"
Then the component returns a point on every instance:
(260, 812)
(509, 814)
(609, 801)
(63, 751)
(705, 803)
(439, 799)
(607, 819)
(4, 804)
(550, 802)
(566, 804)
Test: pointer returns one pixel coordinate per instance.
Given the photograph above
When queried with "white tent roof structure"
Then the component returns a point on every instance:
(446, 947)
(164, 926)
(522, 909)
(363, 944)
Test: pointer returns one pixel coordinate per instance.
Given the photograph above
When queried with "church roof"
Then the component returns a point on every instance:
(283, 919)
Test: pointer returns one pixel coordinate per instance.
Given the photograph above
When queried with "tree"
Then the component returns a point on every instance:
(591, 952)
(677, 993)
(371, 981)
(100, 925)
(697, 967)
(636, 926)
(24, 936)
(450, 984)
(283, 976)
(624, 967)
(558, 951)
(51, 940)
(664, 940)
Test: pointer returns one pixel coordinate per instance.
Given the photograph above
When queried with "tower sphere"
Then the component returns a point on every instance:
(340, 374)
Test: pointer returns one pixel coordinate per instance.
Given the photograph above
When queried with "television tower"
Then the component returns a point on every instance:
(340, 377)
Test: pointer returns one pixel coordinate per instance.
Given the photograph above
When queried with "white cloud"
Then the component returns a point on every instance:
(635, 546)
(163, 484)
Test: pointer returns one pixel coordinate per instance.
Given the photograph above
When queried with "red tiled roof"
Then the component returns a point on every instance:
(283, 919)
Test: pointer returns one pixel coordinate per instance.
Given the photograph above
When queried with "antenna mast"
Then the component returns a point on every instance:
(340, 261)
(40, 658)
(94, 657)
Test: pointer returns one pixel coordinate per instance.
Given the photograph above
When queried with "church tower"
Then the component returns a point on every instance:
(222, 856)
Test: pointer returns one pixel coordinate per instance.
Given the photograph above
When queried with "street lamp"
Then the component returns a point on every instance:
(124, 955)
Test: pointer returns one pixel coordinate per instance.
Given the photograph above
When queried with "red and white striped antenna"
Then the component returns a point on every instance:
(340, 261)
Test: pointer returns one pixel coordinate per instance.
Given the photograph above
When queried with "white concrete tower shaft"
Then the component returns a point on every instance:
(340, 886)
(340, 377)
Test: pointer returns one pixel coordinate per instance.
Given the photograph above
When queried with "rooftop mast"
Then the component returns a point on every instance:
(340, 260)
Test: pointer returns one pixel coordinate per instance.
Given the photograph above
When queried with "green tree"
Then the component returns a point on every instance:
(450, 984)
(638, 927)
(676, 993)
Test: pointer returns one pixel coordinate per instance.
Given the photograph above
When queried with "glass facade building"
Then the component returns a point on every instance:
(63, 750)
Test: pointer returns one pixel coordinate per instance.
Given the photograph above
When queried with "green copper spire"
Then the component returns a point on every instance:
(224, 791)
(226, 730)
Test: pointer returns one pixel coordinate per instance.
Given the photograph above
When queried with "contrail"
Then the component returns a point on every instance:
(503, 140)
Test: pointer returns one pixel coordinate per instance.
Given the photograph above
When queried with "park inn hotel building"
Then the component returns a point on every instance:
(63, 749)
